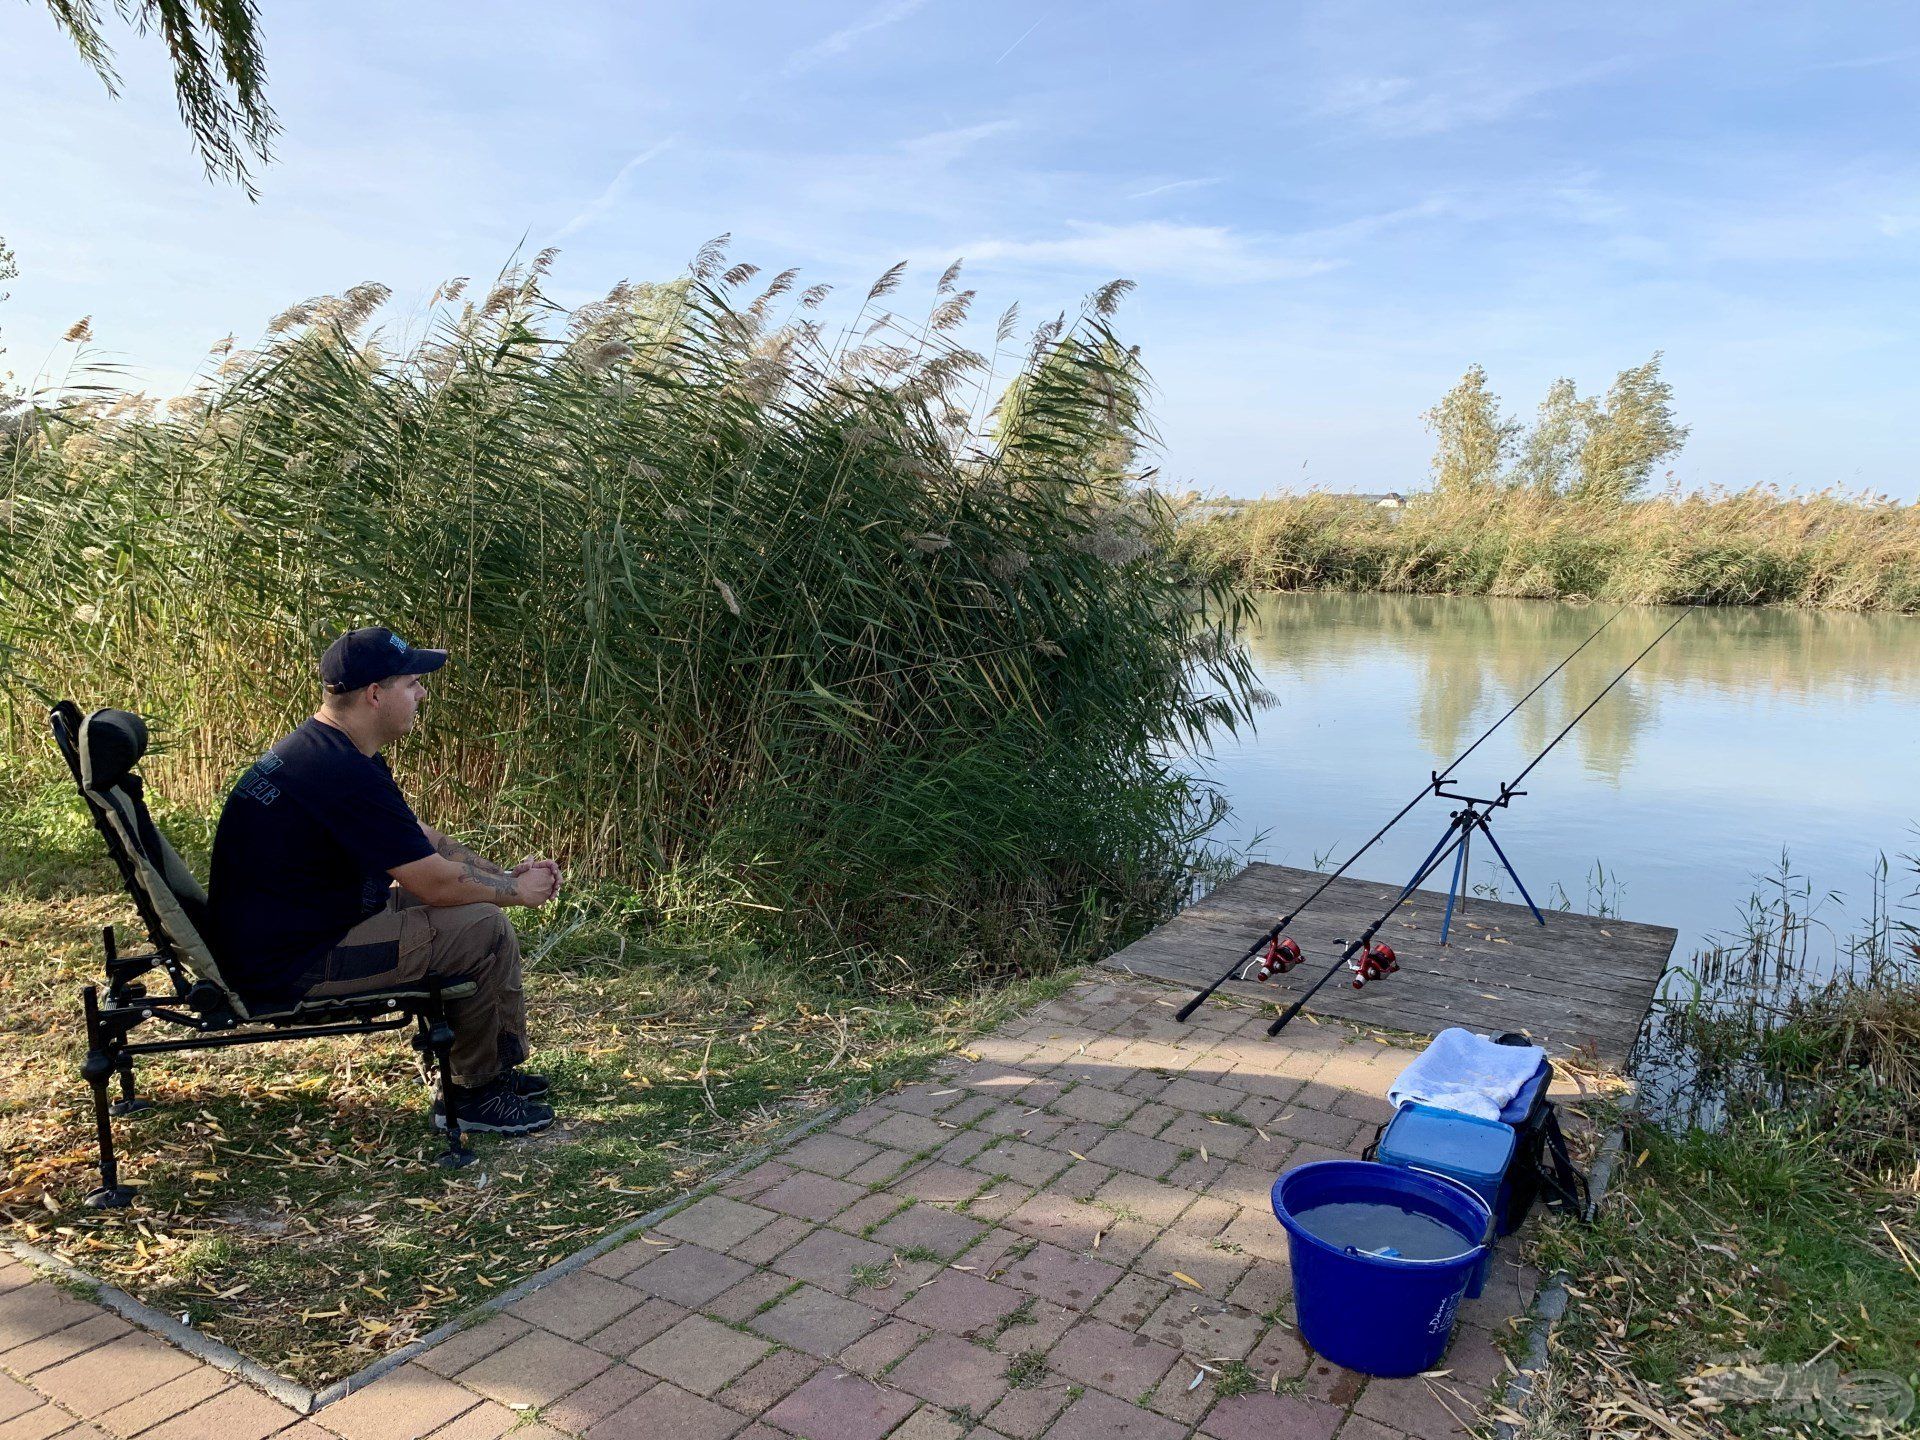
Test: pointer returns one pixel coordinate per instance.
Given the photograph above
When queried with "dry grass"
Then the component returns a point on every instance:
(1752, 547)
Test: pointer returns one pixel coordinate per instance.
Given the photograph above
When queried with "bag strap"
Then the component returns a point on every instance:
(1564, 1187)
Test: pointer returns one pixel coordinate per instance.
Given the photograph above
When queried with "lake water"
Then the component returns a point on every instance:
(1745, 734)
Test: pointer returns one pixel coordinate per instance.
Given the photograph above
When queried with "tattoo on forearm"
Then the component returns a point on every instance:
(493, 879)
(454, 850)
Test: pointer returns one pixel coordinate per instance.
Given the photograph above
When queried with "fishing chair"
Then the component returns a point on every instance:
(101, 750)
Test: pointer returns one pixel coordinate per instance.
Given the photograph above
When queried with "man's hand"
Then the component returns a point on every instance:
(537, 881)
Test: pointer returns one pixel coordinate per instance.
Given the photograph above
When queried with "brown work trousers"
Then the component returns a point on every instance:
(410, 941)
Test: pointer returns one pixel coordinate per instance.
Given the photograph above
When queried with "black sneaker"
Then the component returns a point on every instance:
(496, 1109)
(527, 1085)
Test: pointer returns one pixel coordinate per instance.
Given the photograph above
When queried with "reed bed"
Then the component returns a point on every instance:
(1761, 546)
(850, 639)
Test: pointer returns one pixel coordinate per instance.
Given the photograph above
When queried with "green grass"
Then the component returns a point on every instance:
(289, 1204)
(1786, 1233)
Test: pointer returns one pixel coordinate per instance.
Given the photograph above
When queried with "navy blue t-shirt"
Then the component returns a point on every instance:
(301, 856)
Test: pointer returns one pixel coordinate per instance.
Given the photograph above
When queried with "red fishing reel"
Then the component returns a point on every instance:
(1376, 962)
(1282, 955)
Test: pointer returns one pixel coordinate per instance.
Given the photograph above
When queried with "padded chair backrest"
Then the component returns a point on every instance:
(101, 751)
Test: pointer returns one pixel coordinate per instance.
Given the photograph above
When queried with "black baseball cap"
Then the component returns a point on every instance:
(360, 657)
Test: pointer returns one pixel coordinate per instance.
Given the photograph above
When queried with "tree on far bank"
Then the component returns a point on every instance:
(1474, 438)
(1552, 447)
(1628, 436)
(219, 72)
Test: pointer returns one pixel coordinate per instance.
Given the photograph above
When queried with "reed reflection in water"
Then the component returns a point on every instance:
(1746, 733)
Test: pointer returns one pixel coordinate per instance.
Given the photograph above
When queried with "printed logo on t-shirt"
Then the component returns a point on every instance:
(255, 784)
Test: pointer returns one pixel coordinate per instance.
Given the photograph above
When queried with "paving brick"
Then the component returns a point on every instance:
(536, 1369)
(636, 1327)
(1117, 1361)
(810, 1197)
(1021, 1161)
(998, 1201)
(598, 1398)
(769, 1382)
(666, 1412)
(1317, 1127)
(576, 1305)
(1358, 1427)
(961, 1304)
(243, 1413)
(926, 1098)
(816, 1321)
(939, 1184)
(1280, 1352)
(1196, 1132)
(835, 1406)
(1025, 1412)
(1204, 1328)
(689, 1275)
(162, 1402)
(1330, 1384)
(1060, 1221)
(1150, 1119)
(991, 1079)
(903, 1280)
(456, 1352)
(869, 1212)
(783, 1232)
(1266, 1287)
(927, 1227)
(1136, 1154)
(488, 1420)
(623, 1260)
(1262, 1415)
(881, 1169)
(912, 1133)
(828, 1259)
(963, 1146)
(1132, 1300)
(749, 1183)
(952, 1372)
(1148, 1200)
(407, 1403)
(930, 1422)
(50, 1350)
(1216, 1271)
(1021, 1122)
(699, 1355)
(877, 1351)
(716, 1222)
(117, 1372)
(744, 1301)
(829, 1154)
(1061, 1276)
(1044, 1324)
(15, 1398)
(1090, 1102)
(1101, 1417)
(28, 1312)
(40, 1422)
(1415, 1406)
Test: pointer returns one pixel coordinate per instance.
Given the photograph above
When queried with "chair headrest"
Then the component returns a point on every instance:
(111, 744)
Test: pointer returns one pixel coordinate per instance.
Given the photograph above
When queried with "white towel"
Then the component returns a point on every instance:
(1467, 1072)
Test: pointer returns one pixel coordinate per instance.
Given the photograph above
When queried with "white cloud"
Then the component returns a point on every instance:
(1403, 106)
(1205, 253)
(842, 40)
(1173, 185)
(603, 202)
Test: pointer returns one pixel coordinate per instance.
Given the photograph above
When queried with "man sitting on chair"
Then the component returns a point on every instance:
(324, 883)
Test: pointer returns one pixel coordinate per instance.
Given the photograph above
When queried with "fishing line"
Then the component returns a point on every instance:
(1464, 823)
(1272, 936)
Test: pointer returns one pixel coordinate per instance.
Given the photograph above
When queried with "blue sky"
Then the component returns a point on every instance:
(1331, 210)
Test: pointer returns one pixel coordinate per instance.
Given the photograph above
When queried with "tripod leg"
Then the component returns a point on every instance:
(1453, 887)
(101, 1063)
(1487, 830)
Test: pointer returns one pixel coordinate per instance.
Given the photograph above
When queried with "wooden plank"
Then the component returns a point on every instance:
(1581, 980)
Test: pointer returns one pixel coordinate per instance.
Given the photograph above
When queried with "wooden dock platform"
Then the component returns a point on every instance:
(1578, 982)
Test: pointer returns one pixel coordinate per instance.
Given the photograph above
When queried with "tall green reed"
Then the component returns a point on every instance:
(798, 636)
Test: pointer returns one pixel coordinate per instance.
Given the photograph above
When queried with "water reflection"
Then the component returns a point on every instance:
(1745, 732)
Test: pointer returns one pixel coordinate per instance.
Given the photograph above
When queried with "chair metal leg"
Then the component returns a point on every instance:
(129, 1103)
(440, 1037)
(100, 1063)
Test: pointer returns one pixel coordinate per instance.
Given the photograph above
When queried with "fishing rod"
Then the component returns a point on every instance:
(1378, 961)
(1282, 953)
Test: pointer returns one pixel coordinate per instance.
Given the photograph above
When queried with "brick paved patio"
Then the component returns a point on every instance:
(1051, 1238)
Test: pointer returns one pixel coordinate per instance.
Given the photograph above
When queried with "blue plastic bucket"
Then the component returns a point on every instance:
(1379, 1314)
